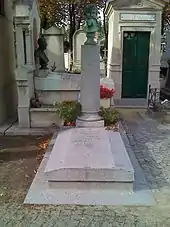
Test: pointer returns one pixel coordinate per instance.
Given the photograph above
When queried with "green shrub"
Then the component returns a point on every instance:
(68, 111)
(109, 115)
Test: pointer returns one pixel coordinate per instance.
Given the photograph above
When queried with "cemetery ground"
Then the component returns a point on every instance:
(21, 156)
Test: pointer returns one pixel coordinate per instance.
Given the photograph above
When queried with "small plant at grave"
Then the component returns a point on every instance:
(68, 111)
(106, 93)
(76, 71)
(109, 115)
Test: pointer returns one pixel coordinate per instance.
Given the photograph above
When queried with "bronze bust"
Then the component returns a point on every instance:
(91, 23)
(40, 55)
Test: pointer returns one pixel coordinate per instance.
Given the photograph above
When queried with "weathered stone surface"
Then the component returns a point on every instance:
(79, 39)
(55, 47)
(90, 193)
(89, 154)
(96, 186)
(86, 123)
(90, 85)
(139, 132)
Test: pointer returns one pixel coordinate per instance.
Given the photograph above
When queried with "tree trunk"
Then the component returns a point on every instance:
(78, 23)
(72, 24)
(74, 19)
(72, 28)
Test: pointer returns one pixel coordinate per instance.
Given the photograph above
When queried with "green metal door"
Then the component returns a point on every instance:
(135, 64)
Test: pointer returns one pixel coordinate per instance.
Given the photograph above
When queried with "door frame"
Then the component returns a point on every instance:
(151, 48)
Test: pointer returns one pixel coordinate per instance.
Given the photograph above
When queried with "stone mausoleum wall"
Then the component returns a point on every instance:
(7, 64)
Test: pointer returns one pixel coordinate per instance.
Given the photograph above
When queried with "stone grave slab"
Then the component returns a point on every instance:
(89, 155)
(90, 193)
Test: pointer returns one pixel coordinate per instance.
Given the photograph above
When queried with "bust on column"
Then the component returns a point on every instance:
(40, 55)
(91, 24)
(90, 70)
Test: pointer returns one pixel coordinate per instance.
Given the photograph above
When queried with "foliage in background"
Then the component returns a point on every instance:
(68, 111)
(165, 17)
(109, 115)
(65, 12)
(105, 28)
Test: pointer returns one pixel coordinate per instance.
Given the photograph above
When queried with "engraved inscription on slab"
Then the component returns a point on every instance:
(86, 137)
(137, 17)
(70, 77)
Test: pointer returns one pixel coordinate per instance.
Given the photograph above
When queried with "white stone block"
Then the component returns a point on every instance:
(90, 86)
(55, 47)
(89, 154)
(87, 123)
(23, 117)
(91, 185)
(79, 39)
(43, 73)
(58, 81)
(44, 117)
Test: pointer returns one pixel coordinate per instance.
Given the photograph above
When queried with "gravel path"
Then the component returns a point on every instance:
(76, 216)
(151, 142)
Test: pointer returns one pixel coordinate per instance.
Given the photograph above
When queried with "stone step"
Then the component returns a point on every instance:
(16, 130)
(131, 103)
(165, 93)
(126, 186)
(44, 117)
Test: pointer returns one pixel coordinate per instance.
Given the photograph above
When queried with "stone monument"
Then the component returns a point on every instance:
(55, 47)
(89, 153)
(79, 38)
(41, 59)
(40, 54)
(90, 69)
(91, 24)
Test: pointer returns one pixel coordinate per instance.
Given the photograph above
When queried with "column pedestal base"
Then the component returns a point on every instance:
(90, 120)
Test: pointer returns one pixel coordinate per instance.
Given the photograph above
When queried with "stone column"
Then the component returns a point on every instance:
(29, 46)
(90, 87)
(79, 39)
(20, 46)
(23, 106)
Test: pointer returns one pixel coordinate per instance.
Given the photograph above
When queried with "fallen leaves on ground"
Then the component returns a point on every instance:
(42, 149)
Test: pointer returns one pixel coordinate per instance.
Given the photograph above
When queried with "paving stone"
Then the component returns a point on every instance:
(38, 193)
(86, 221)
(154, 155)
